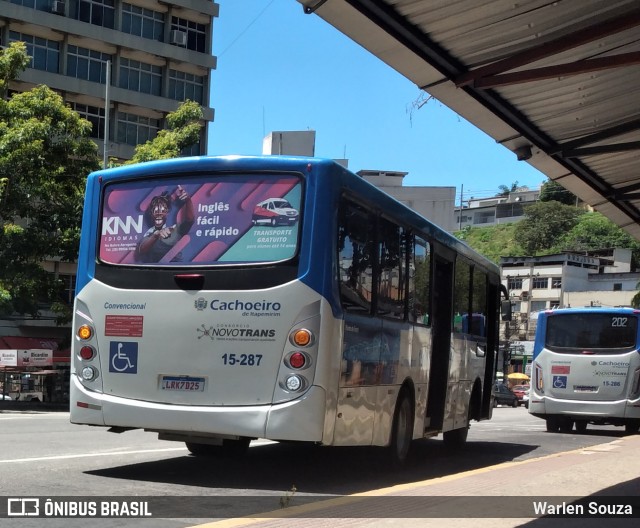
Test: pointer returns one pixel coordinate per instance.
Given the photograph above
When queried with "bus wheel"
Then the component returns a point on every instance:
(229, 448)
(401, 431)
(553, 424)
(456, 439)
(236, 448)
(566, 425)
(632, 427)
(200, 449)
(581, 427)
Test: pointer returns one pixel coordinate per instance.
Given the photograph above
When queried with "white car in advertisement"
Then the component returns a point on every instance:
(274, 212)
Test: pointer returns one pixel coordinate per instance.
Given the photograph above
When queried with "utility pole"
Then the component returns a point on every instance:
(460, 215)
(107, 104)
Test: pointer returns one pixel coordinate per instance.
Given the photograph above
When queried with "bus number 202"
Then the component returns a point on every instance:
(251, 360)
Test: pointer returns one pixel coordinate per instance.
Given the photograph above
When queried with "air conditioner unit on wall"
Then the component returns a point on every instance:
(178, 38)
(57, 7)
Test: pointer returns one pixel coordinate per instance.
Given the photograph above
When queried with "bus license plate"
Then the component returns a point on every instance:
(182, 383)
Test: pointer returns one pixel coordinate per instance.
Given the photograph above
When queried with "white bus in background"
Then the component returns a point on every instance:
(586, 369)
(195, 321)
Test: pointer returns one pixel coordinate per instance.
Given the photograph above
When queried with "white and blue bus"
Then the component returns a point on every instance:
(586, 369)
(224, 299)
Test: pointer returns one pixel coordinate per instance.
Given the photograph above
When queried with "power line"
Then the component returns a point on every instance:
(245, 29)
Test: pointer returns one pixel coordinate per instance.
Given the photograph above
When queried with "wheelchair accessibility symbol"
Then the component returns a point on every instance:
(559, 382)
(123, 357)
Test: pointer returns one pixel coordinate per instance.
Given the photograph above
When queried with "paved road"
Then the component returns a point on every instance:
(44, 455)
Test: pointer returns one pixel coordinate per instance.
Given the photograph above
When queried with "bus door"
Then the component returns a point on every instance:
(441, 338)
(492, 344)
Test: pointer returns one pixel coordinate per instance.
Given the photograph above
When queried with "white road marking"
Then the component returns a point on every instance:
(87, 455)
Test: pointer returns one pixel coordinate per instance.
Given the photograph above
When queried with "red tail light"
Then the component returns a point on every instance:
(297, 360)
(86, 353)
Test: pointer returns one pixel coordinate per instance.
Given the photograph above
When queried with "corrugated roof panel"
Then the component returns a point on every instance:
(448, 46)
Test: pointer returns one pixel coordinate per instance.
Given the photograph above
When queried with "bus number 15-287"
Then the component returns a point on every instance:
(251, 360)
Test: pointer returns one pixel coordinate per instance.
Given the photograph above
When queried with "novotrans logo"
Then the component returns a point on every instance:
(261, 308)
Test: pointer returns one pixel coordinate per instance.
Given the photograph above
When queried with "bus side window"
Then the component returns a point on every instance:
(420, 282)
(391, 270)
(461, 294)
(355, 258)
(479, 304)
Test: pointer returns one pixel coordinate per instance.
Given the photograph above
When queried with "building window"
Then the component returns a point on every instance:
(90, 65)
(134, 130)
(69, 288)
(93, 114)
(142, 22)
(40, 5)
(196, 33)
(540, 283)
(96, 12)
(484, 218)
(193, 150)
(617, 286)
(556, 282)
(538, 306)
(183, 86)
(514, 283)
(44, 53)
(140, 77)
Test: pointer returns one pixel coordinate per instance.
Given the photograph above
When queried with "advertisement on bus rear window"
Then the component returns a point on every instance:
(201, 220)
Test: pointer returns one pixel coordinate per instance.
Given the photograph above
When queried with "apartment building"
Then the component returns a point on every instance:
(154, 54)
(594, 278)
(484, 212)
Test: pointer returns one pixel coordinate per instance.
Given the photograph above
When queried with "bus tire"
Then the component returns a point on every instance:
(229, 448)
(553, 424)
(456, 438)
(401, 430)
(200, 449)
(581, 426)
(632, 427)
(566, 425)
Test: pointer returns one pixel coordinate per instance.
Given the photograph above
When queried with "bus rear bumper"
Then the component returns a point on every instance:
(585, 410)
(301, 419)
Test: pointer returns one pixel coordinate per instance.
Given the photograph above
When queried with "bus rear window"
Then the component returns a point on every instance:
(200, 220)
(587, 331)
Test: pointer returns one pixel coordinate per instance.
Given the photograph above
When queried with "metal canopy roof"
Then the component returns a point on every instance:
(556, 82)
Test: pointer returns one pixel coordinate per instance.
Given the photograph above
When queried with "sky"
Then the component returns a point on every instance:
(281, 70)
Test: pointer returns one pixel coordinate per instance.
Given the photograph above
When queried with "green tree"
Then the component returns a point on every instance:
(595, 231)
(493, 241)
(45, 153)
(553, 191)
(505, 190)
(183, 131)
(545, 223)
(635, 300)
